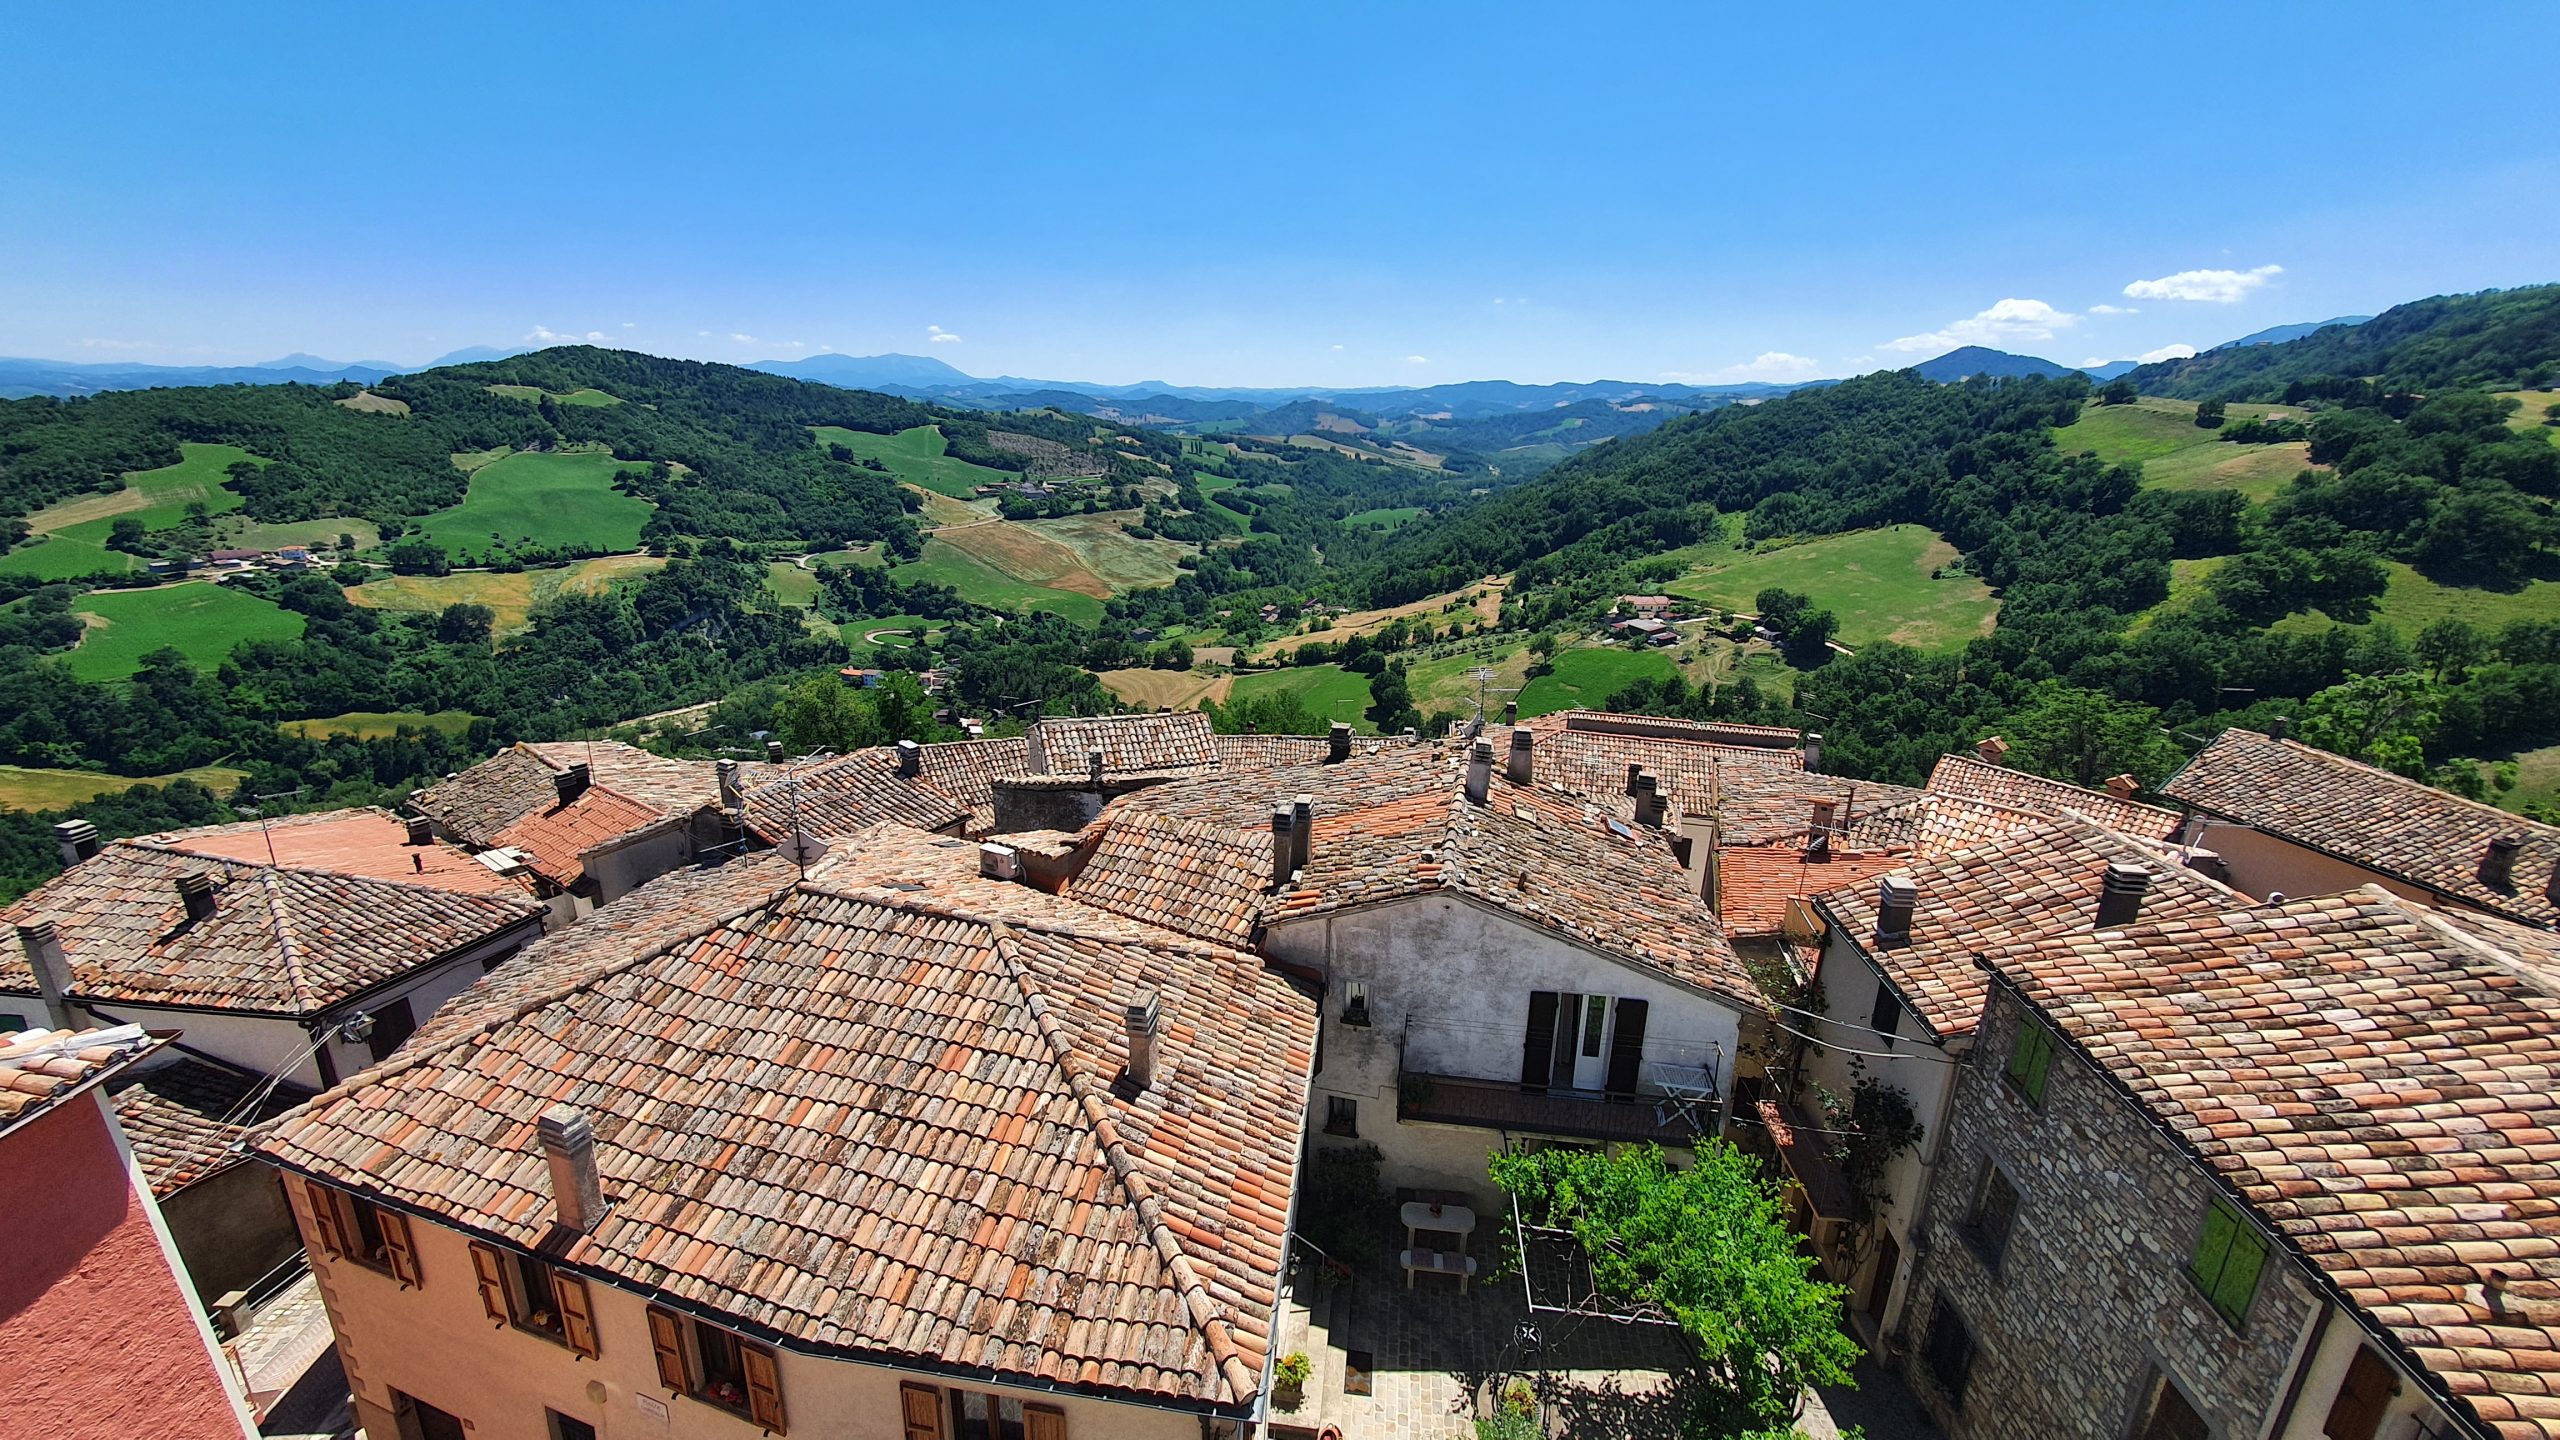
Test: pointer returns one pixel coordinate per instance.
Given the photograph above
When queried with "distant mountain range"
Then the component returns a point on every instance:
(20, 378)
(2282, 333)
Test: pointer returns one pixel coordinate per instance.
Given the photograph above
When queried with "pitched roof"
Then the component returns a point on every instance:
(557, 840)
(476, 804)
(2373, 818)
(1940, 824)
(850, 794)
(1271, 752)
(366, 841)
(188, 1117)
(1971, 778)
(2039, 881)
(1754, 883)
(280, 940)
(1718, 732)
(1198, 877)
(1170, 740)
(1594, 763)
(2382, 1091)
(883, 1121)
(39, 1068)
(1767, 804)
(966, 770)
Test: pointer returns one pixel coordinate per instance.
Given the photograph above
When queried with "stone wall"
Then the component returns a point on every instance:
(2090, 1305)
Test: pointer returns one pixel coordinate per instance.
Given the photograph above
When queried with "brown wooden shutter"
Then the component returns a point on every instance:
(1538, 1045)
(324, 1219)
(489, 1268)
(399, 1247)
(1626, 1049)
(666, 1337)
(1044, 1422)
(764, 1387)
(1568, 1048)
(577, 1313)
(2362, 1398)
(921, 1407)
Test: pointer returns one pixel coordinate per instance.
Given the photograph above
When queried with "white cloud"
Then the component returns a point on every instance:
(595, 335)
(544, 335)
(2166, 352)
(1337, 347)
(744, 339)
(2114, 310)
(1775, 365)
(2003, 324)
(628, 324)
(940, 336)
(1417, 359)
(703, 334)
(2218, 287)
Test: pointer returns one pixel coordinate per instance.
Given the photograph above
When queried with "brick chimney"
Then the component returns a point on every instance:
(1897, 896)
(76, 839)
(726, 772)
(1479, 771)
(1648, 800)
(1825, 812)
(1284, 845)
(1302, 826)
(2280, 727)
(2120, 894)
(197, 891)
(999, 862)
(1520, 768)
(569, 1147)
(1634, 769)
(1337, 743)
(53, 972)
(1813, 753)
(2498, 866)
(572, 782)
(418, 830)
(2123, 787)
(1144, 1020)
(910, 758)
(1991, 749)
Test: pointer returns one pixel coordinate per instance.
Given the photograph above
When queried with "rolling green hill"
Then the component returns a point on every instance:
(2491, 340)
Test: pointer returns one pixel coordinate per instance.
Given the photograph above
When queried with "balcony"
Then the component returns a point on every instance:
(1495, 1105)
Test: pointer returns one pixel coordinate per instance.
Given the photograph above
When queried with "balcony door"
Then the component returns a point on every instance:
(1591, 1042)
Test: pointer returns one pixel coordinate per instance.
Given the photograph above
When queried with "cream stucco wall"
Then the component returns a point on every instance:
(2410, 1410)
(437, 1344)
(2259, 864)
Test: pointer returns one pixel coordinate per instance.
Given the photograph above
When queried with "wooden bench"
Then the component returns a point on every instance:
(1437, 1262)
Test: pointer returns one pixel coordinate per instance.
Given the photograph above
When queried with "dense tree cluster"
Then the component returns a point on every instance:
(2494, 340)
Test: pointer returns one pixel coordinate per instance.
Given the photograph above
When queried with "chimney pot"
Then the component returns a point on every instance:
(2123, 787)
(1520, 767)
(773, 753)
(419, 830)
(572, 782)
(1813, 753)
(2498, 866)
(2280, 727)
(197, 891)
(1511, 712)
(999, 862)
(726, 772)
(1144, 1020)
(1897, 896)
(2120, 894)
(1093, 766)
(53, 972)
(77, 839)
(1337, 743)
(1284, 845)
(1302, 825)
(569, 1145)
(910, 758)
(1634, 769)
(1479, 772)
(1991, 748)
(1648, 799)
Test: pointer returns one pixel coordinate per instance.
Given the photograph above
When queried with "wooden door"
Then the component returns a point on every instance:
(1880, 1285)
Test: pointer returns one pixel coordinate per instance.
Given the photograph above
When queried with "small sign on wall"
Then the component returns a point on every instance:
(651, 1406)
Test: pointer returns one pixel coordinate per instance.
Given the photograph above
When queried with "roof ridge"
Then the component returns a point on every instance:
(271, 885)
(942, 906)
(2478, 945)
(2483, 808)
(1223, 1349)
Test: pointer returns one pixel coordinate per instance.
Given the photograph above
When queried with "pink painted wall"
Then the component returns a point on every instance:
(98, 1338)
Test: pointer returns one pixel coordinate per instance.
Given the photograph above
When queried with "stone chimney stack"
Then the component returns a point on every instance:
(77, 840)
(2280, 727)
(1813, 753)
(726, 773)
(418, 830)
(773, 752)
(1337, 743)
(1897, 896)
(1144, 1020)
(2123, 787)
(1284, 845)
(910, 758)
(1825, 813)
(1302, 826)
(999, 861)
(572, 782)
(53, 972)
(2120, 894)
(569, 1146)
(1479, 772)
(1093, 766)
(1649, 800)
(1992, 749)
(1520, 767)
(1634, 769)
(2498, 866)
(197, 891)
(1511, 712)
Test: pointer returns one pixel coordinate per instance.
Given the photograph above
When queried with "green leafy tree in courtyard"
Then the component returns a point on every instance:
(2085, 737)
(2383, 720)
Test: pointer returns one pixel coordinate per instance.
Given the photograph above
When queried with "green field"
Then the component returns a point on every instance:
(319, 534)
(1585, 679)
(2532, 408)
(915, 625)
(2162, 437)
(2410, 602)
(1328, 691)
(512, 595)
(379, 724)
(1120, 560)
(1449, 683)
(24, 789)
(1384, 519)
(946, 564)
(916, 456)
(60, 557)
(203, 620)
(77, 528)
(1876, 581)
(542, 499)
(587, 398)
(794, 587)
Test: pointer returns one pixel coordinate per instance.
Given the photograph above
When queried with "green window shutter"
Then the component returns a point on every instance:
(2230, 1255)
(2212, 1248)
(2031, 1058)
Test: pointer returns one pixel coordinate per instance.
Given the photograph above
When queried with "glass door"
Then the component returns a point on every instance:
(1591, 1043)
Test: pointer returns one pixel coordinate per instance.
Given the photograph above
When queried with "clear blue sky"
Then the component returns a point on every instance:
(1283, 194)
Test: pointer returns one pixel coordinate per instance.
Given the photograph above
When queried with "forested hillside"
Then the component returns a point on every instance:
(2494, 340)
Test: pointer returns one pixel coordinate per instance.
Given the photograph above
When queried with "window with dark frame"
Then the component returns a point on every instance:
(1885, 1017)
(717, 1367)
(564, 1427)
(1341, 1116)
(354, 1228)
(2171, 1416)
(1355, 1002)
(1995, 1215)
(2230, 1255)
(978, 1415)
(2364, 1397)
(1949, 1354)
(529, 1293)
(2031, 1060)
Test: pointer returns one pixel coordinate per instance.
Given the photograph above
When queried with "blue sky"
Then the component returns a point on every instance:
(1290, 194)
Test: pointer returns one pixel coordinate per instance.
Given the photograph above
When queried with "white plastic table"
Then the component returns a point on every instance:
(1448, 1219)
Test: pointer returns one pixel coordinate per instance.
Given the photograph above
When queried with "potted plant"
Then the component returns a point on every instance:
(1289, 1380)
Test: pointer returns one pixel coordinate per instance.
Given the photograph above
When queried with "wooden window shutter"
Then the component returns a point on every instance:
(489, 1268)
(764, 1387)
(324, 1219)
(1568, 1043)
(577, 1313)
(1044, 1422)
(1537, 1047)
(666, 1337)
(399, 1247)
(921, 1407)
(1626, 1048)
(2363, 1397)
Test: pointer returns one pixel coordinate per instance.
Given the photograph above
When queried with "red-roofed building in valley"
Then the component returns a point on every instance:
(100, 1337)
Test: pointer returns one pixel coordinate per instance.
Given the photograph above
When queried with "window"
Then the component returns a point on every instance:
(1886, 1017)
(351, 1227)
(1341, 1115)
(717, 1367)
(392, 1024)
(2363, 1396)
(521, 1290)
(2229, 1255)
(979, 1416)
(1355, 1002)
(2031, 1059)
(1995, 1214)
(564, 1428)
(12, 1024)
(1949, 1355)
(2171, 1416)
(1595, 1024)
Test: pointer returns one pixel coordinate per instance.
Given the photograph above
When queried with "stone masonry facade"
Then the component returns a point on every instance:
(2089, 1307)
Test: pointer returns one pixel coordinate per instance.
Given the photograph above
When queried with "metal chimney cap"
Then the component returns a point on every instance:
(565, 1125)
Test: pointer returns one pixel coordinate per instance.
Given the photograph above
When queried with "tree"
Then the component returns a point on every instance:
(1391, 701)
(2450, 647)
(2384, 720)
(2209, 414)
(418, 557)
(126, 533)
(824, 713)
(465, 624)
(2086, 737)
(2118, 391)
(1710, 1246)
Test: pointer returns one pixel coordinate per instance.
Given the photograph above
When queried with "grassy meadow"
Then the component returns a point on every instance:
(2162, 437)
(379, 724)
(512, 596)
(75, 531)
(541, 499)
(944, 563)
(1876, 581)
(1329, 692)
(25, 789)
(916, 456)
(203, 620)
(1585, 679)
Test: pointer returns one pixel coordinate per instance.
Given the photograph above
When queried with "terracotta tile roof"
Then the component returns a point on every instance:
(851, 794)
(188, 1118)
(1245, 802)
(1175, 740)
(1970, 778)
(880, 1122)
(1271, 752)
(368, 841)
(2372, 818)
(1717, 732)
(1595, 763)
(1768, 804)
(280, 940)
(1198, 877)
(478, 803)
(1934, 825)
(2037, 882)
(2376, 1087)
(41, 1067)
(1755, 882)
(557, 839)
(674, 787)
(966, 771)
